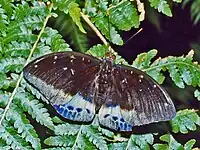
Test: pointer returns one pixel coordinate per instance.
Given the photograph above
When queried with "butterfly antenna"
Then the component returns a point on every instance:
(134, 35)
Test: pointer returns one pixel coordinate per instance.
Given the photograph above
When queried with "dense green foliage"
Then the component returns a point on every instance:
(25, 35)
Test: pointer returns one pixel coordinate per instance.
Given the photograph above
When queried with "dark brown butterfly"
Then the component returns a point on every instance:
(79, 85)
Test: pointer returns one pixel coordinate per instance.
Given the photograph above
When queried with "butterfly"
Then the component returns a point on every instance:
(79, 86)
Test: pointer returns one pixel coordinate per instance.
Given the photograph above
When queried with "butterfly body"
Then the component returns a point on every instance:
(78, 86)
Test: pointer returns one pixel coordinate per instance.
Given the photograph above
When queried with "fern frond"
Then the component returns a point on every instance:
(62, 5)
(3, 21)
(66, 129)
(8, 81)
(140, 141)
(12, 64)
(100, 51)
(58, 148)
(66, 140)
(182, 70)
(107, 29)
(4, 97)
(161, 6)
(12, 138)
(75, 13)
(106, 132)
(91, 132)
(52, 38)
(197, 94)
(173, 144)
(23, 126)
(36, 109)
(18, 49)
(185, 120)
(143, 60)
(124, 16)
(119, 146)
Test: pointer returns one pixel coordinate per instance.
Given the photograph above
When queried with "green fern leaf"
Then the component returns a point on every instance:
(62, 5)
(66, 140)
(12, 64)
(124, 16)
(162, 6)
(140, 141)
(177, 1)
(7, 81)
(66, 129)
(4, 97)
(58, 148)
(182, 70)
(57, 120)
(143, 60)
(11, 137)
(197, 94)
(98, 51)
(84, 143)
(7, 6)
(189, 144)
(74, 12)
(117, 146)
(185, 120)
(91, 132)
(23, 126)
(108, 30)
(172, 144)
(3, 21)
(34, 108)
(16, 49)
(106, 132)
(54, 40)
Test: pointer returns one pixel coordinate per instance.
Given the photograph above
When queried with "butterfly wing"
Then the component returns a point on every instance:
(135, 99)
(66, 80)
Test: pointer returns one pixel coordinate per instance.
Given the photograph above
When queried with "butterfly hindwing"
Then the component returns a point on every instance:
(138, 100)
(64, 79)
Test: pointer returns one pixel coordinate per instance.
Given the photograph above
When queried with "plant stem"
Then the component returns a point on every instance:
(27, 61)
(87, 20)
(78, 135)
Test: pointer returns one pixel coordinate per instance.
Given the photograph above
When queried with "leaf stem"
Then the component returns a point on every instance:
(170, 63)
(76, 141)
(117, 4)
(27, 61)
(128, 144)
(87, 20)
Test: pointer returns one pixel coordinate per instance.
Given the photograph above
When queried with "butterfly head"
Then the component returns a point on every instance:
(110, 55)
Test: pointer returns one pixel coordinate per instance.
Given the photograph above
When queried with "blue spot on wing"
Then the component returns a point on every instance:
(117, 123)
(110, 104)
(77, 109)
(112, 118)
(70, 107)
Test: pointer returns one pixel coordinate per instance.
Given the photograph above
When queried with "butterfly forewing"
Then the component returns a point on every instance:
(138, 100)
(66, 80)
